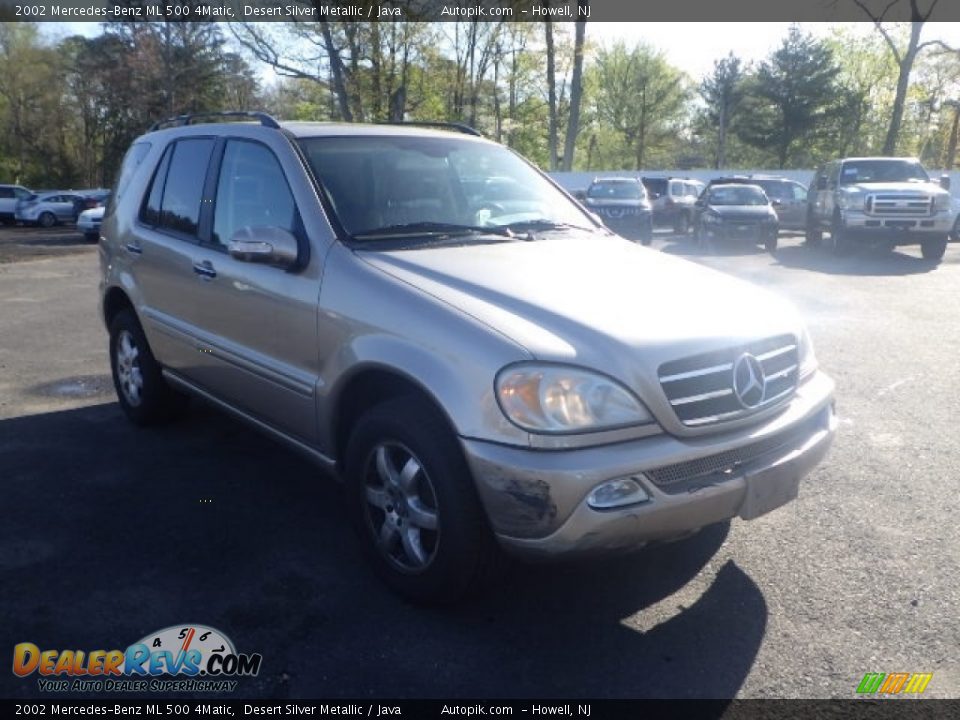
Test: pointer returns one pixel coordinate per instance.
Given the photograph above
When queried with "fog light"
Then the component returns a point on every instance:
(617, 493)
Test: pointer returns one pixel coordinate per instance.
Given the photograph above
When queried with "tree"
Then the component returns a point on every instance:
(792, 97)
(576, 88)
(551, 91)
(722, 93)
(903, 55)
(641, 96)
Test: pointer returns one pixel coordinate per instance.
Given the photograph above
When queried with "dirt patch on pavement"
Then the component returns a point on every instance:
(25, 243)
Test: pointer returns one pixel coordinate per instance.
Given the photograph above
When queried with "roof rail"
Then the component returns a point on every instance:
(177, 120)
(459, 127)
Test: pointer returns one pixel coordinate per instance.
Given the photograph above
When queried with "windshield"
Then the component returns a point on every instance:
(398, 184)
(877, 171)
(737, 195)
(616, 191)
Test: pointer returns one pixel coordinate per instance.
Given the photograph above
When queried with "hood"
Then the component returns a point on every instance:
(593, 300)
(93, 213)
(617, 202)
(927, 188)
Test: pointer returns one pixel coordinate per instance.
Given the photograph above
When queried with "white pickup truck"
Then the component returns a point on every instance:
(880, 199)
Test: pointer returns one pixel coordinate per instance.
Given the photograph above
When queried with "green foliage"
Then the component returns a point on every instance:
(792, 101)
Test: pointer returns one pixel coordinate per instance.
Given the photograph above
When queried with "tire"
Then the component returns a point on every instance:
(770, 244)
(934, 249)
(427, 537)
(91, 237)
(681, 225)
(47, 220)
(839, 238)
(144, 395)
(814, 235)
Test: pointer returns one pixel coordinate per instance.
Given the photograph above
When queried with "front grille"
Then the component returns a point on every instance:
(700, 388)
(899, 205)
(683, 476)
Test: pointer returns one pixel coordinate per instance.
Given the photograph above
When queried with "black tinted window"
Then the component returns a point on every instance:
(150, 213)
(252, 192)
(6, 192)
(183, 190)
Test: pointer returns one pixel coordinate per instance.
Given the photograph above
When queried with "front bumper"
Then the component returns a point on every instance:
(537, 500)
(87, 226)
(898, 229)
(740, 231)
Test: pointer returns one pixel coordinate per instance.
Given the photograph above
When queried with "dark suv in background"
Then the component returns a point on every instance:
(788, 197)
(623, 206)
(672, 200)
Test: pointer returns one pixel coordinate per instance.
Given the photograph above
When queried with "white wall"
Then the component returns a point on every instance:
(581, 180)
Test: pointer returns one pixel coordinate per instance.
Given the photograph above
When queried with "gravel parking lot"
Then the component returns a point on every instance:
(108, 533)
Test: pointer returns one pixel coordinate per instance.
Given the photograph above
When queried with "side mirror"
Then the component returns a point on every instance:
(654, 196)
(776, 202)
(268, 245)
(945, 181)
(822, 183)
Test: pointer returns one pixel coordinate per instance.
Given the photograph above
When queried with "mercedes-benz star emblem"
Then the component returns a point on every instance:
(749, 381)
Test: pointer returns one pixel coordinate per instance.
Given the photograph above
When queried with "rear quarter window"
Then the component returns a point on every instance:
(131, 161)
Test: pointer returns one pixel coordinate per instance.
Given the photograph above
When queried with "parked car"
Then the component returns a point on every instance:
(48, 209)
(886, 200)
(623, 206)
(736, 211)
(89, 223)
(93, 198)
(788, 197)
(477, 379)
(10, 195)
(672, 200)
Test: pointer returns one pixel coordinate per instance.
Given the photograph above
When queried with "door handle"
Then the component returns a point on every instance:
(134, 249)
(205, 270)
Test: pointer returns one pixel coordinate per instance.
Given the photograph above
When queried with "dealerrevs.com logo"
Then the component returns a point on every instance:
(178, 658)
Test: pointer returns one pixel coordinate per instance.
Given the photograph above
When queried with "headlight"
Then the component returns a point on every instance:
(808, 360)
(941, 202)
(561, 399)
(852, 200)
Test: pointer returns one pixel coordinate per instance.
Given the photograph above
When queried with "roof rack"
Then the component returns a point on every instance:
(459, 127)
(178, 120)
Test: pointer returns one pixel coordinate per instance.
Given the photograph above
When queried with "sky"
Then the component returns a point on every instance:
(693, 47)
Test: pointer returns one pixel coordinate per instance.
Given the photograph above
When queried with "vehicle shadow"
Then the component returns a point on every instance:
(109, 533)
(686, 246)
(867, 261)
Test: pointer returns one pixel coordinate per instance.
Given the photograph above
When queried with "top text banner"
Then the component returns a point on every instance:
(739, 11)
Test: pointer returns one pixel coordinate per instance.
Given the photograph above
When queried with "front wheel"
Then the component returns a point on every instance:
(46, 220)
(682, 224)
(839, 238)
(144, 395)
(814, 235)
(413, 502)
(933, 249)
(770, 243)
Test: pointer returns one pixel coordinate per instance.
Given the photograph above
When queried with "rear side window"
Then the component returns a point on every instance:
(177, 190)
(131, 161)
(252, 192)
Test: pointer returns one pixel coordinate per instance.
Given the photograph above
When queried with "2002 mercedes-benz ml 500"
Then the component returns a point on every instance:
(483, 374)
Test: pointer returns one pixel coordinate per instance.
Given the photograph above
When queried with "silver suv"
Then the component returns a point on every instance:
(481, 374)
(880, 199)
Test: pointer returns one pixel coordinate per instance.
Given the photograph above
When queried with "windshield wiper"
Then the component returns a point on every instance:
(544, 224)
(431, 229)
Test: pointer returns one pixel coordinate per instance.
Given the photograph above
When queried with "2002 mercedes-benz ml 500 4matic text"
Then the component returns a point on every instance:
(482, 374)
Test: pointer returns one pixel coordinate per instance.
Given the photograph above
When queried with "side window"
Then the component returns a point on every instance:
(131, 161)
(252, 191)
(150, 212)
(21, 193)
(676, 189)
(183, 190)
(799, 192)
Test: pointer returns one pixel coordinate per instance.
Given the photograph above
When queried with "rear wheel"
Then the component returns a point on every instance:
(413, 502)
(144, 395)
(933, 249)
(46, 220)
(814, 235)
(682, 224)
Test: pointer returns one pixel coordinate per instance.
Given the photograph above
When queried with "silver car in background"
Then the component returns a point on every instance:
(482, 373)
(46, 209)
